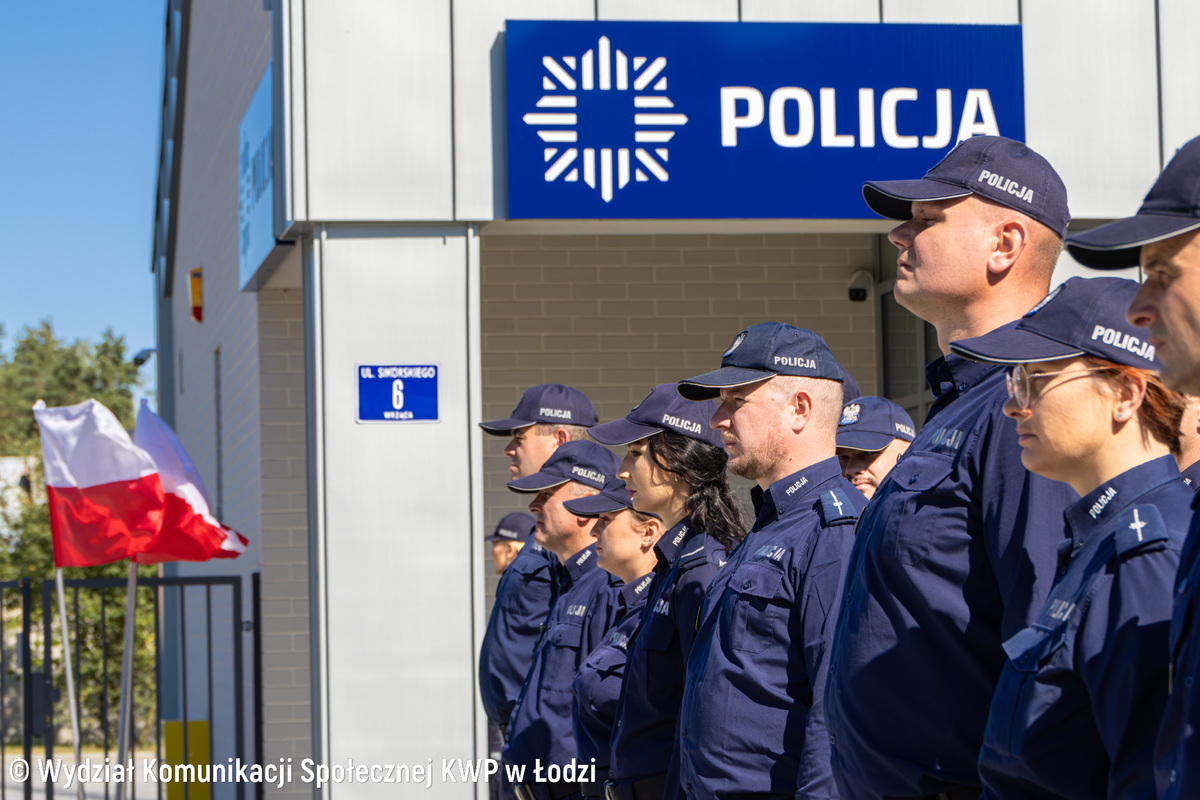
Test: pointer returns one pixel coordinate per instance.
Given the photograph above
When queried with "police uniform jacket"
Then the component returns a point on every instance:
(598, 684)
(1085, 682)
(522, 602)
(954, 555)
(583, 611)
(752, 721)
(644, 743)
(1177, 751)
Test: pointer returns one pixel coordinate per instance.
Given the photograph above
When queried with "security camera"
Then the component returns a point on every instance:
(860, 285)
(143, 356)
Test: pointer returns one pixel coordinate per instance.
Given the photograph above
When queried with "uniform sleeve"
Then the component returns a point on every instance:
(689, 600)
(601, 619)
(823, 586)
(1122, 653)
(1022, 522)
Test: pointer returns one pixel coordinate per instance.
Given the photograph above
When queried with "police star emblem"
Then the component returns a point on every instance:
(850, 414)
(741, 337)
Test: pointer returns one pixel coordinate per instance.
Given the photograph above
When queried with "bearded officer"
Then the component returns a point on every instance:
(752, 722)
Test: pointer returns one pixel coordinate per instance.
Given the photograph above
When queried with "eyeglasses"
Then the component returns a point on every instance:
(1020, 382)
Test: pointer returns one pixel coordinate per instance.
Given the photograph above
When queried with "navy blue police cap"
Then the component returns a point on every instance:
(662, 410)
(1083, 316)
(763, 351)
(613, 497)
(872, 423)
(551, 403)
(850, 390)
(1002, 170)
(514, 527)
(580, 461)
(1172, 207)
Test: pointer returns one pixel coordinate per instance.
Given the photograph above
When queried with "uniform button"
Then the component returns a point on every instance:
(1182, 586)
(832, 740)
(746, 585)
(690, 786)
(962, 387)
(1172, 777)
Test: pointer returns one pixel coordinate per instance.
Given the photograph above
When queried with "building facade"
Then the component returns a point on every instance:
(379, 222)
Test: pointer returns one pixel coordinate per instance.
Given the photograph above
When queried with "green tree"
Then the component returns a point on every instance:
(44, 367)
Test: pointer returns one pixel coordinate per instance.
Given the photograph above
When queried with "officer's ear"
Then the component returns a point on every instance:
(1129, 390)
(1012, 239)
(561, 436)
(648, 528)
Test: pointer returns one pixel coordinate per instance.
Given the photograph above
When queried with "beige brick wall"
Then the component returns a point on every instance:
(287, 684)
(615, 315)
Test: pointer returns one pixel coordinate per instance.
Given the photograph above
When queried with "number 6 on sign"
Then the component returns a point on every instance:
(397, 394)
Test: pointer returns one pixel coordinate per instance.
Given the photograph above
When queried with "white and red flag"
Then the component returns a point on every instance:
(189, 530)
(105, 497)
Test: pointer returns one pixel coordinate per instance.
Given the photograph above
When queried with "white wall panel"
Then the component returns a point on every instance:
(810, 10)
(1091, 99)
(673, 10)
(480, 174)
(378, 110)
(1178, 25)
(398, 538)
(977, 12)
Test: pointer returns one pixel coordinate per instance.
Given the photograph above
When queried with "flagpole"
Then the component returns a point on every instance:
(126, 713)
(66, 639)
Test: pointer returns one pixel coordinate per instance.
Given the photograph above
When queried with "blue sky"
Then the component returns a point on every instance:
(80, 101)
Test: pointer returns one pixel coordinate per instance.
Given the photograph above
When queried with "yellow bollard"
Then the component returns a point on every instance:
(198, 754)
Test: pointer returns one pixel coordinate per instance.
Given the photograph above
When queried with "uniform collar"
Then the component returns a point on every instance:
(1191, 475)
(636, 591)
(952, 375)
(671, 544)
(788, 493)
(1097, 509)
(580, 563)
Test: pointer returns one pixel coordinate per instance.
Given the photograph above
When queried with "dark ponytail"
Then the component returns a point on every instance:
(711, 504)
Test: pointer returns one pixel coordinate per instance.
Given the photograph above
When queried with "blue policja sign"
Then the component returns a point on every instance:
(393, 393)
(743, 120)
(256, 208)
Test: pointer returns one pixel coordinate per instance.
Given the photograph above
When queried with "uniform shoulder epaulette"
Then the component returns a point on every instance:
(1139, 528)
(836, 506)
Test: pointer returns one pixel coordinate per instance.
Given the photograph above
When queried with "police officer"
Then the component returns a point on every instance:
(675, 468)
(1087, 680)
(508, 540)
(547, 415)
(1164, 237)
(872, 433)
(752, 721)
(540, 734)
(952, 557)
(625, 541)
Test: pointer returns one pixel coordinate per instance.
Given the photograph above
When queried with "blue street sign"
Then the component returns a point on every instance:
(392, 393)
(708, 120)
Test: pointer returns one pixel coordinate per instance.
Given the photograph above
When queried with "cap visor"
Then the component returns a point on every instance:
(862, 440)
(593, 505)
(500, 427)
(1008, 345)
(893, 199)
(1118, 244)
(621, 431)
(709, 385)
(536, 482)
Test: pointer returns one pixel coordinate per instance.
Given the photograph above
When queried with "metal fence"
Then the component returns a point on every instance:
(194, 689)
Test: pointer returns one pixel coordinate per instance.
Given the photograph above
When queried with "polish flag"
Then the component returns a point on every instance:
(189, 530)
(106, 501)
